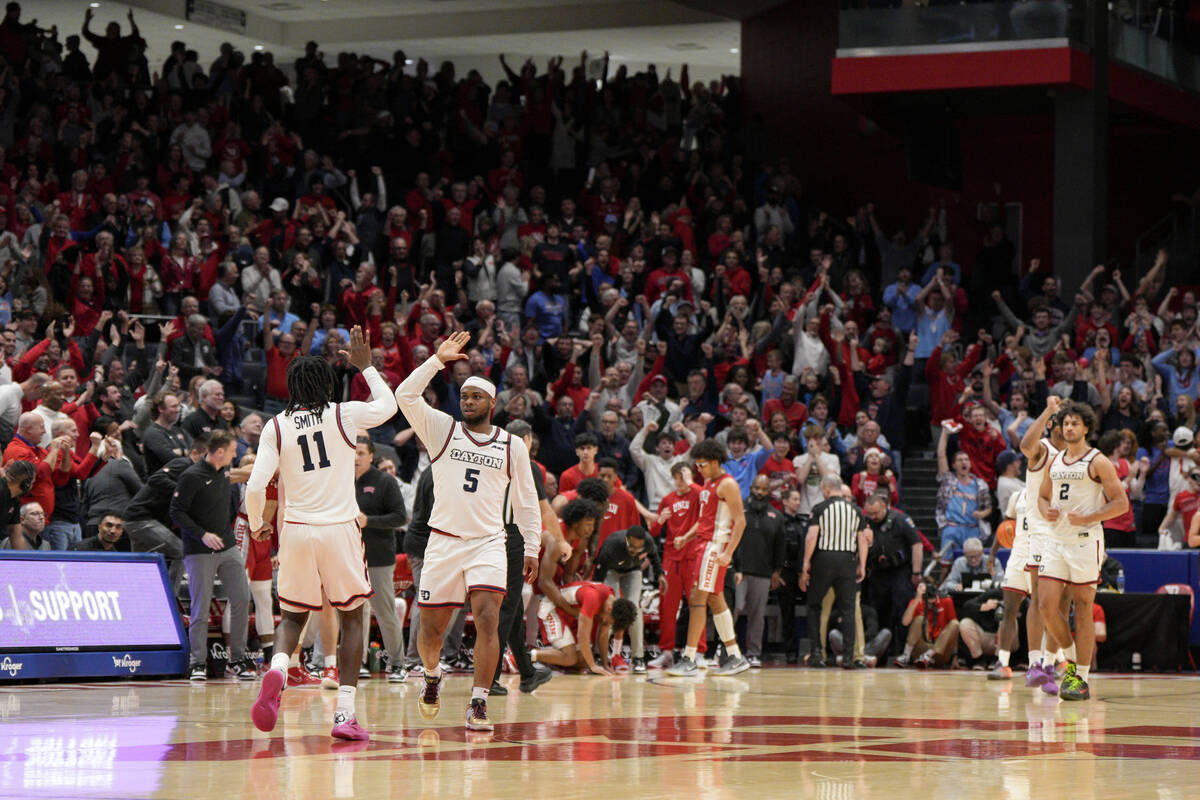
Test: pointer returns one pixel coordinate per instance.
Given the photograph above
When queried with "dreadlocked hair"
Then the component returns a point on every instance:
(310, 383)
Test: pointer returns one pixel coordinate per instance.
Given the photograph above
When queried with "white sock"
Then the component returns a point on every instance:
(293, 659)
(907, 650)
(345, 700)
(280, 661)
(331, 661)
(724, 625)
(1035, 658)
(1082, 671)
(689, 652)
(479, 693)
(1070, 652)
(1004, 654)
(1046, 651)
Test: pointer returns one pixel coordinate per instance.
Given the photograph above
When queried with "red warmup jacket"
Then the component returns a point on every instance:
(944, 388)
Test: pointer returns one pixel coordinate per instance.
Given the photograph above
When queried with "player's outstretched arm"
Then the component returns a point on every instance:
(266, 462)
(1031, 442)
(432, 426)
(358, 416)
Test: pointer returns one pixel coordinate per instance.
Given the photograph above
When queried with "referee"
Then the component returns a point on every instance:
(835, 555)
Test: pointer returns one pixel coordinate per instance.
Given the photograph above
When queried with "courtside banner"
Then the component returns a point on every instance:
(70, 615)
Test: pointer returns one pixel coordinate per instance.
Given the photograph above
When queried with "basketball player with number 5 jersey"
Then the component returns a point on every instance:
(1075, 499)
(321, 556)
(474, 463)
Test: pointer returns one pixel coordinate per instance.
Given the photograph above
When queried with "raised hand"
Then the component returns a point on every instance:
(360, 348)
(451, 350)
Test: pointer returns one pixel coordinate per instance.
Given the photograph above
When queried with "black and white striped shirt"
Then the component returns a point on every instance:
(839, 522)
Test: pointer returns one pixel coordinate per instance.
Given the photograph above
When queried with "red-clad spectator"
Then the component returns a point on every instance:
(982, 443)
(622, 510)
(947, 378)
(795, 411)
(586, 447)
(280, 351)
(31, 428)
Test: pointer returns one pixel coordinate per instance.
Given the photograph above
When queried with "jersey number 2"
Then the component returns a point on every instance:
(1064, 491)
(323, 458)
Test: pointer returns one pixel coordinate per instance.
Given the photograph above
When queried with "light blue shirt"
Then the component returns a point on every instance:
(285, 323)
(903, 305)
(745, 468)
(931, 327)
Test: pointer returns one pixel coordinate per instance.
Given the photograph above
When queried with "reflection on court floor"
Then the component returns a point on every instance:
(824, 734)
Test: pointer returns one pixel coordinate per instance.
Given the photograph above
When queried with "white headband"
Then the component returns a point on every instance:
(482, 384)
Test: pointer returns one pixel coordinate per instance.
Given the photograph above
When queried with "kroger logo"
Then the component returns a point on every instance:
(11, 667)
(125, 662)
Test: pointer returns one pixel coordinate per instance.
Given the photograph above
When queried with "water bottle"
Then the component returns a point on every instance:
(1121, 580)
(375, 658)
(1137, 662)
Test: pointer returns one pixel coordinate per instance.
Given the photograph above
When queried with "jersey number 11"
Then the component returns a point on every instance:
(323, 458)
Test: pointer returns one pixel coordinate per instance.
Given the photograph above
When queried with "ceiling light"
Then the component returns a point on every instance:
(94, 5)
(258, 47)
(408, 62)
(733, 50)
(178, 27)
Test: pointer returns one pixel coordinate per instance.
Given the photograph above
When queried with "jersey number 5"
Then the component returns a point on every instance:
(472, 482)
(1062, 492)
(323, 458)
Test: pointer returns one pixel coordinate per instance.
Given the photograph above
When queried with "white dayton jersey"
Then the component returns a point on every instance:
(1033, 485)
(314, 454)
(471, 472)
(1016, 575)
(1074, 488)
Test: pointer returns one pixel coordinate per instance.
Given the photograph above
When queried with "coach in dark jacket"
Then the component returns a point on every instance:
(201, 509)
(759, 561)
(380, 512)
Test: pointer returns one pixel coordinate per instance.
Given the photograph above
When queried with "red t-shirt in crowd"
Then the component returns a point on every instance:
(1125, 521)
(277, 366)
(573, 475)
(779, 469)
(1186, 503)
(796, 412)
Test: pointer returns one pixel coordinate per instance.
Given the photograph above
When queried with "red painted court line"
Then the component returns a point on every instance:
(1154, 730)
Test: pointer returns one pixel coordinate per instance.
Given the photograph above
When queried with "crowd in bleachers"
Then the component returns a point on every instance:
(634, 268)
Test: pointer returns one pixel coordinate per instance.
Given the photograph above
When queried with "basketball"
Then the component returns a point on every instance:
(1006, 532)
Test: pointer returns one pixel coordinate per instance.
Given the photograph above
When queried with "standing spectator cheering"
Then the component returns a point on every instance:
(963, 499)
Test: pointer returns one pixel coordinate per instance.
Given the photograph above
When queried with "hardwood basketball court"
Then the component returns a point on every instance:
(779, 732)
